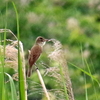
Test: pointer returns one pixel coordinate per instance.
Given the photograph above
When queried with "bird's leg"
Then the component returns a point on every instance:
(36, 66)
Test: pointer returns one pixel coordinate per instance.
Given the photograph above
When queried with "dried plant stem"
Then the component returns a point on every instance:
(24, 74)
(42, 83)
(8, 30)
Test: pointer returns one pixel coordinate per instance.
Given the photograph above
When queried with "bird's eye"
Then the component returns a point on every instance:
(41, 38)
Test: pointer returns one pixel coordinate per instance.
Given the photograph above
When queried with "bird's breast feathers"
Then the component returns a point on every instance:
(36, 49)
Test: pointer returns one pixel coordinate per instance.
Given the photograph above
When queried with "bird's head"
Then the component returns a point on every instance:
(41, 40)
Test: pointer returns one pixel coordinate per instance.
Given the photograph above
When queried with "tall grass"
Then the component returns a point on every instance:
(4, 87)
(21, 63)
(2, 84)
(2, 78)
(85, 72)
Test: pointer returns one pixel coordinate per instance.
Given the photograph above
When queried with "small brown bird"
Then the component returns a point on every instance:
(35, 52)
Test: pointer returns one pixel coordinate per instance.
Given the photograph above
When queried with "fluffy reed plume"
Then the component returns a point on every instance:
(11, 55)
(58, 56)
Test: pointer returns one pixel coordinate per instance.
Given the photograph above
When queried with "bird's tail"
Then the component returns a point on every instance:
(29, 72)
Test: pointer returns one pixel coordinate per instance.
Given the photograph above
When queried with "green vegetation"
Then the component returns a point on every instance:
(75, 23)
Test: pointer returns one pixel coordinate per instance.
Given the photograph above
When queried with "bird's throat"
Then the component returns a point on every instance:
(41, 44)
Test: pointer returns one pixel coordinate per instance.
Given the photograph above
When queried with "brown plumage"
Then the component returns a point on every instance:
(35, 52)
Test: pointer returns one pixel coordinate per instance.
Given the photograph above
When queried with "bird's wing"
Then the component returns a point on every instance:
(34, 54)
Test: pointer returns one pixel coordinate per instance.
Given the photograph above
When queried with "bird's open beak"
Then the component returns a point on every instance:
(48, 40)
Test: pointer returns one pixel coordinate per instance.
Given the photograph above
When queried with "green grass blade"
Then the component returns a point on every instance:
(85, 73)
(91, 79)
(86, 92)
(64, 83)
(22, 94)
(2, 84)
(13, 89)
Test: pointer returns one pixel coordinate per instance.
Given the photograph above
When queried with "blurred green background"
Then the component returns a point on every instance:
(75, 23)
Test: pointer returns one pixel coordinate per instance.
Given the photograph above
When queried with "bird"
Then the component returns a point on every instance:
(35, 52)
